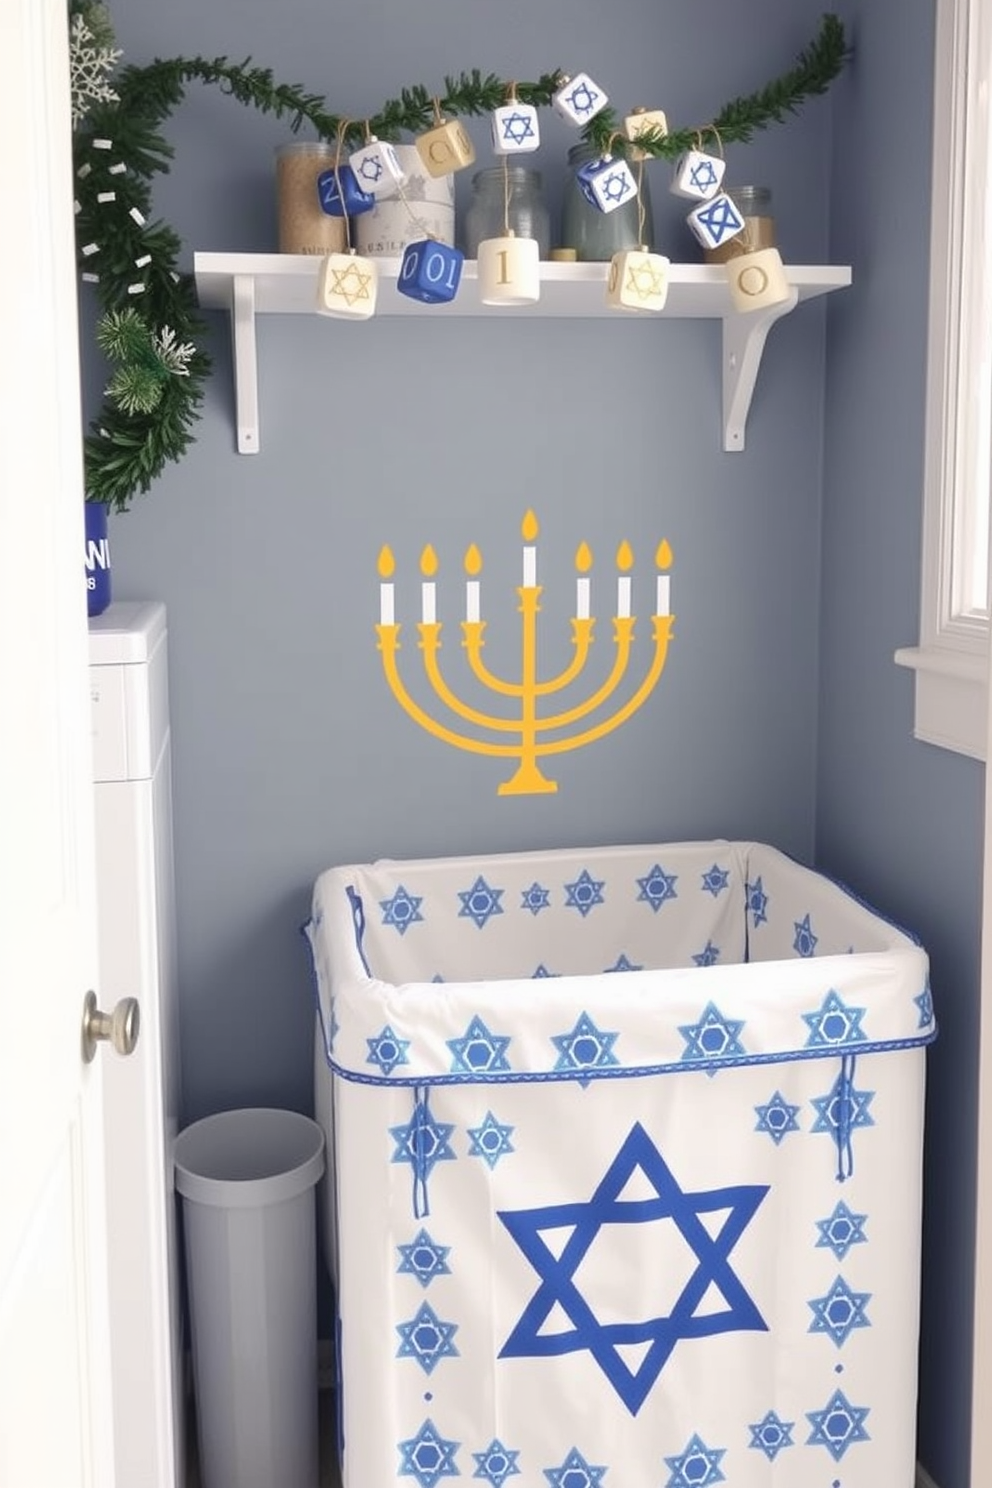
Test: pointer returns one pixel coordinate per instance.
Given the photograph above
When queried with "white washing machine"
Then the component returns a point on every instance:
(135, 890)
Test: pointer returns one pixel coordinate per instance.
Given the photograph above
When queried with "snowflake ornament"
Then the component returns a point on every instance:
(89, 60)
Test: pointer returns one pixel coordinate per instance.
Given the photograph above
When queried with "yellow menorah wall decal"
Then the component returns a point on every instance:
(530, 730)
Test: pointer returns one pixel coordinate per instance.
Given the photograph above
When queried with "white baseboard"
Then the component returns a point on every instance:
(923, 1478)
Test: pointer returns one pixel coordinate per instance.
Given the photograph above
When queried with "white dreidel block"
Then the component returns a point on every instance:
(377, 168)
(509, 271)
(347, 286)
(698, 176)
(607, 183)
(638, 280)
(644, 121)
(515, 129)
(758, 280)
(716, 221)
(445, 149)
(578, 99)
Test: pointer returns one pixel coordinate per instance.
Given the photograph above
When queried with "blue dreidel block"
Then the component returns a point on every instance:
(697, 175)
(430, 271)
(606, 183)
(377, 168)
(578, 99)
(340, 195)
(716, 221)
(515, 129)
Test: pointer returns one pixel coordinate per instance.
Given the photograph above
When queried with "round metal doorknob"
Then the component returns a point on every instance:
(119, 1028)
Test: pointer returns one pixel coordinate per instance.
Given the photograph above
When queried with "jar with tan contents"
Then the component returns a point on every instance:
(304, 226)
(755, 205)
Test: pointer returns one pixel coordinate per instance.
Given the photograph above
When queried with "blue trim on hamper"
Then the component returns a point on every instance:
(623, 1072)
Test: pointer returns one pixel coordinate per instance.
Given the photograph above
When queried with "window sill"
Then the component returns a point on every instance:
(951, 698)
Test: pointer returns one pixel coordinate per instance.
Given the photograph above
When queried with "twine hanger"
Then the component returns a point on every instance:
(342, 130)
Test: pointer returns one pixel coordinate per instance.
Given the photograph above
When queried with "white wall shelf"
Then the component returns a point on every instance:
(250, 284)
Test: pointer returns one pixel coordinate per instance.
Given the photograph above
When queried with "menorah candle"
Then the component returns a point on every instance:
(428, 604)
(386, 612)
(582, 599)
(663, 603)
(530, 568)
(623, 597)
(472, 600)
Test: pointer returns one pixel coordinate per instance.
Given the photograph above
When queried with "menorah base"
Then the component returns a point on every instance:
(528, 781)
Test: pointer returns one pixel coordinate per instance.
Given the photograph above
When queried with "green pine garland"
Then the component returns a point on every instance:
(150, 330)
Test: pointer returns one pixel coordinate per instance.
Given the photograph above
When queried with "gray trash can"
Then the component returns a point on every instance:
(247, 1180)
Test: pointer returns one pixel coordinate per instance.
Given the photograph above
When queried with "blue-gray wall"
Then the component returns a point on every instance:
(901, 820)
(290, 754)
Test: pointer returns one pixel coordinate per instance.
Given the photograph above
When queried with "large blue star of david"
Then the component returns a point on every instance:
(840, 1311)
(837, 1425)
(427, 1339)
(604, 1340)
(835, 1023)
(582, 98)
(428, 1456)
(703, 175)
(517, 128)
(721, 219)
(615, 186)
(697, 1467)
(479, 1052)
(402, 910)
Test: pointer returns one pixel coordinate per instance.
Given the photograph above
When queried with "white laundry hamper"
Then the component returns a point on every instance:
(624, 1177)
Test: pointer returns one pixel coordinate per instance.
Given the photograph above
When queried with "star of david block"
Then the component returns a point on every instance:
(698, 176)
(430, 272)
(377, 169)
(347, 286)
(607, 183)
(579, 99)
(715, 221)
(340, 195)
(445, 149)
(638, 280)
(650, 121)
(515, 129)
(758, 280)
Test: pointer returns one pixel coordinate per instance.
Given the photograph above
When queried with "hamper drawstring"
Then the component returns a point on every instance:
(845, 1105)
(421, 1167)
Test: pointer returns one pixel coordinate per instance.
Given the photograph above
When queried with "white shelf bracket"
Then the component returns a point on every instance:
(744, 336)
(245, 362)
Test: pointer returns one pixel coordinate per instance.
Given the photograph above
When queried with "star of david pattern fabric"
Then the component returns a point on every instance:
(678, 1205)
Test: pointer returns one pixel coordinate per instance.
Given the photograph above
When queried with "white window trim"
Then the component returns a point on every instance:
(951, 660)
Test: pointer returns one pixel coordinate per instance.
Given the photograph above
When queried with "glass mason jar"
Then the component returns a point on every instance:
(755, 205)
(597, 235)
(515, 201)
(304, 226)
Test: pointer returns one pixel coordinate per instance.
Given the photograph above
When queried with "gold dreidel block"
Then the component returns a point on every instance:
(758, 280)
(644, 121)
(347, 286)
(638, 280)
(445, 148)
(509, 271)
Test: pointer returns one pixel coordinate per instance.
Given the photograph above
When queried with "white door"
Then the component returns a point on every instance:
(55, 1414)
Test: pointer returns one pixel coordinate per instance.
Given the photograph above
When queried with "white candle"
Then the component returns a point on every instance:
(530, 568)
(386, 604)
(623, 597)
(472, 600)
(582, 599)
(428, 607)
(663, 604)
